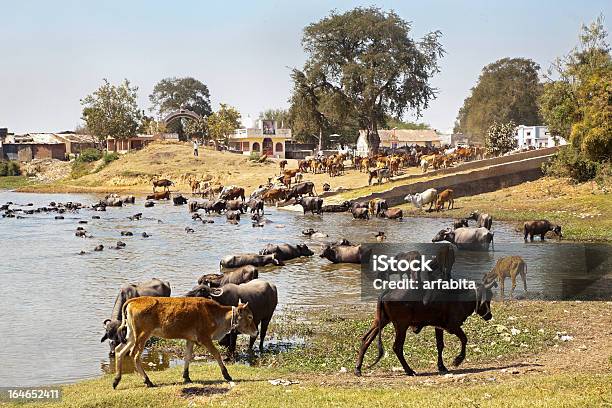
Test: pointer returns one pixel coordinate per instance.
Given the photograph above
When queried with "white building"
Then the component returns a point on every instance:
(265, 138)
(536, 137)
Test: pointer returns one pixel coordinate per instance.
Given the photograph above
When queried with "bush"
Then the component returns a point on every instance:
(110, 157)
(570, 162)
(89, 155)
(254, 156)
(9, 168)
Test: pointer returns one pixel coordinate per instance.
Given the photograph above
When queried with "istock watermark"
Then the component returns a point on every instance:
(567, 271)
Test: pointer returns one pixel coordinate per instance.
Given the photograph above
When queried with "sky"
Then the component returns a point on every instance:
(53, 53)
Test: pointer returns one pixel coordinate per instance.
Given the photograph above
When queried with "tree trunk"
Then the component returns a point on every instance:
(373, 138)
(320, 139)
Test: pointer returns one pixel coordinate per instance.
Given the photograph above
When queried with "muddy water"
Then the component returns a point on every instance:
(54, 301)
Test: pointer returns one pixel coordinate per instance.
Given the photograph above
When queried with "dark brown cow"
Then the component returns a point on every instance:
(165, 183)
(403, 310)
(274, 195)
(232, 193)
(195, 320)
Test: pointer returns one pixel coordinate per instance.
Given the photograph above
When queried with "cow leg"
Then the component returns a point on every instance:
(262, 333)
(524, 278)
(440, 347)
(513, 277)
(398, 348)
(501, 288)
(542, 236)
(207, 342)
(137, 354)
(188, 357)
(463, 338)
(120, 352)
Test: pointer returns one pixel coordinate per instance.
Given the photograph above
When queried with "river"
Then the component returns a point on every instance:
(54, 300)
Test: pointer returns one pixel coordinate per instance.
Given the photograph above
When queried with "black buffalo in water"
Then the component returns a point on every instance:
(154, 287)
(342, 253)
(466, 238)
(236, 261)
(301, 189)
(261, 296)
(541, 227)
(312, 204)
(179, 200)
(286, 252)
(345, 206)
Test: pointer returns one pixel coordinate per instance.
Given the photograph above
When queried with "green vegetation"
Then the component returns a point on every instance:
(507, 90)
(110, 157)
(112, 111)
(570, 162)
(14, 182)
(362, 65)
(500, 138)
(89, 155)
(9, 168)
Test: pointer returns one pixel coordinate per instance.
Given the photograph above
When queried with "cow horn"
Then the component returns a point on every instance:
(216, 292)
(106, 321)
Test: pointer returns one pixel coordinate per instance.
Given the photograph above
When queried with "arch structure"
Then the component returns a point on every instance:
(179, 114)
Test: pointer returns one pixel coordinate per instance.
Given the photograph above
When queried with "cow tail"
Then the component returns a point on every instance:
(123, 325)
(314, 190)
(380, 315)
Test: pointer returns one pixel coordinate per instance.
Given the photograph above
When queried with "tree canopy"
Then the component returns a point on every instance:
(507, 90)
(576, 102)
(281, 116)
(171, 94)
(222, 123)
(361, 66)
(112, 111)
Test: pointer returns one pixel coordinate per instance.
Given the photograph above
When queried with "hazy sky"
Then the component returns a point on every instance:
(52, 53)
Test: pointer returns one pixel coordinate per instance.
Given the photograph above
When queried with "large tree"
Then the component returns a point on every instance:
(221, 124)
(576, 102)
(171, 94)
(507, 90)
(112, 111)
(365, 61)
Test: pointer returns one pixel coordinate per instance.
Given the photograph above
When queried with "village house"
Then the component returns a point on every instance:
(75, 143)
(32, 146)
(399, 138)
(136, 142)
(263, 138)
(536, 137)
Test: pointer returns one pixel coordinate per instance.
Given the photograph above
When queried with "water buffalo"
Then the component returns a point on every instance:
(127, 199)
(286, 252)
(165, 183)
(261, 296)
(111, 202)
(179, 200)
(238, 276)
(154, 287)
(232, 215)
(256, 205)
(342, 253)
(361, 213)
(312, 204)
(165, 195)
(466, 238)
(236, 205)
(236, 261)
(482, 220)
(428, 196)
(460, 223)
(302, 189)
(345, 206)
(393, 214)
(541, 227)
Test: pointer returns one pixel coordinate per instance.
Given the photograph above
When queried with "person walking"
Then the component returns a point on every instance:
(195, 147)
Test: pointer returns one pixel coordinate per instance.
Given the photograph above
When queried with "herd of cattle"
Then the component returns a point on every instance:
(237, 301)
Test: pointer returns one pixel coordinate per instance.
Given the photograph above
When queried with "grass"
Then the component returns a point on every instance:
(14, 182)
(583, 210)
(331, 341)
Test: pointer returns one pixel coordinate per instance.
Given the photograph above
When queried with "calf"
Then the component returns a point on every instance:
(482, 220)
(342, 253)
(460, 223)
(195, 320)
(159, 196)
(541, 227)
(508, 266)
(443, 197)
(241, 275)
(256, 205)
(154, 287)
(377, 207)
(398, 307)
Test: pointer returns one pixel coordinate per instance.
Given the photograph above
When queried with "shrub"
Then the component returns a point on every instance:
(90, 155)
(570, 162)
(9, 168)
(110, 157)
(254, 156)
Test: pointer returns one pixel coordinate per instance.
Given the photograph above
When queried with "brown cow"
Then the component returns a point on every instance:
(274, 194)
(393, 214)
(443, 197)
(196, 320)
(282, 165)
(165, 183)
(159, 196)
(233, 193)
(291, 173)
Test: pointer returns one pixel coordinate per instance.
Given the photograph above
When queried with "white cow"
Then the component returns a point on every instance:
(428, 196)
